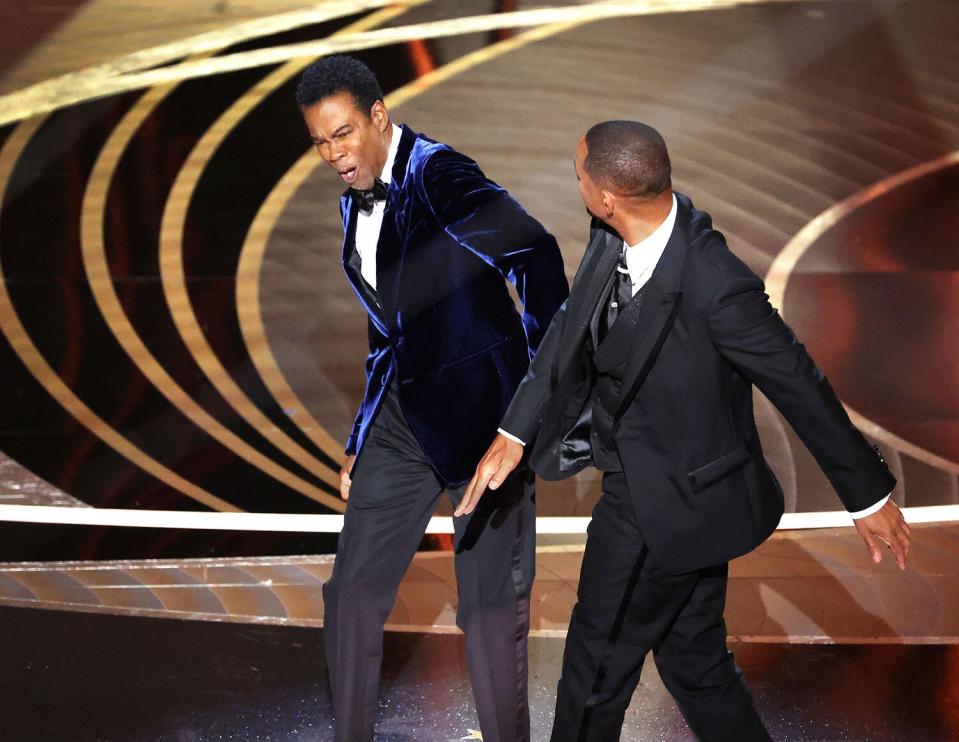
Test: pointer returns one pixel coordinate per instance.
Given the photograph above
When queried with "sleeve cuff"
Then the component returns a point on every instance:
(510, 436)
(871, 509)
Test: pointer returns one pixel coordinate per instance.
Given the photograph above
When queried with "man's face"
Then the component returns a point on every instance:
(352, 142)
(589, 190)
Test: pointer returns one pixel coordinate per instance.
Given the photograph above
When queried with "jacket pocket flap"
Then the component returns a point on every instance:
(717, 469)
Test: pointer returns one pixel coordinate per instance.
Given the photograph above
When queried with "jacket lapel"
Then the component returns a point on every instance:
(658, 310)
(588, 286)
(599, 309)
(351, 263)
(389, 247)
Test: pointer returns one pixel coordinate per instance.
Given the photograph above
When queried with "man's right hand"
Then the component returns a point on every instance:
(345, 480)
(888, 526)
(500, 459)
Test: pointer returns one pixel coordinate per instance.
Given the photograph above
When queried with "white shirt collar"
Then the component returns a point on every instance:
(641, 258)
(387, 175)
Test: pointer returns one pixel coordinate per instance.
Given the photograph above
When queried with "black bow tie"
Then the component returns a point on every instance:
(366, 199)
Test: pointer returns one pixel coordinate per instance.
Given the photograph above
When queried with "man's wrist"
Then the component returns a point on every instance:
(511, 436)
(875, 508)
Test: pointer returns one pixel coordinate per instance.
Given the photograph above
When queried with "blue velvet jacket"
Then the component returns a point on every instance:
(442, 320)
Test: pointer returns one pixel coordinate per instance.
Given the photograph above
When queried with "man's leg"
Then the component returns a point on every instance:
(495, 549)
(392, 497)
(699, 670)
(625, 605)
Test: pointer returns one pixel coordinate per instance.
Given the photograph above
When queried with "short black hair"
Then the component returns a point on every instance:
(339, 73)
(628, 156)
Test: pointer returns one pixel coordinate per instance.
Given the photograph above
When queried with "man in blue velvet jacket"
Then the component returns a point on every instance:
(428, 241)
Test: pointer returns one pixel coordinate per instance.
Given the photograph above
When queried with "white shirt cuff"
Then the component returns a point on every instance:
(510, 436)
(871, 509)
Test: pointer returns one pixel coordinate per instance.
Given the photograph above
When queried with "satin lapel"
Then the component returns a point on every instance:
(351, 264)
(660, 305)
(599, 308)
(655, 320)
(593, 276)
(390, 246)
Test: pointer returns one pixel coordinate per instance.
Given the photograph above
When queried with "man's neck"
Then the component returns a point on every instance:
(387, 143)
(639, 221)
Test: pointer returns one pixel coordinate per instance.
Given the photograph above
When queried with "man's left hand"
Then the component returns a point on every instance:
(888, 526)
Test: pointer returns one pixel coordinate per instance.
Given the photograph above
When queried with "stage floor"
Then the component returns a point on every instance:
(799, 586)
(85, 677)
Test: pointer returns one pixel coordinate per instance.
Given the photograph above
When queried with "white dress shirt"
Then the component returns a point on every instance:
(642, 258)
(641, 261)
(368, 225)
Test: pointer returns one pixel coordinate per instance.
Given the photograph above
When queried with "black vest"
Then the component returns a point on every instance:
(608, 359)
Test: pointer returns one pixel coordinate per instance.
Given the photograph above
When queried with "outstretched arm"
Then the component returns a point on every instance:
(522, 419)
(752, 336)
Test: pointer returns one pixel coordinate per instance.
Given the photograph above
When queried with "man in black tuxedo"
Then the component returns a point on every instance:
(646, 372)
(428, 242)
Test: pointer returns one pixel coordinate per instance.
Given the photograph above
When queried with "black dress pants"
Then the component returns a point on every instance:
(627, 606)
(393, 494)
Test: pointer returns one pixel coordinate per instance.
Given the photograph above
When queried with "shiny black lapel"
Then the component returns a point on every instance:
(660, 305)
(599, 308)
(389, 248)
(351, 263)
(591, 279)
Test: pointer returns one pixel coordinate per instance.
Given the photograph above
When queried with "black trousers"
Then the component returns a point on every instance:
(628, 606)
(393, 494)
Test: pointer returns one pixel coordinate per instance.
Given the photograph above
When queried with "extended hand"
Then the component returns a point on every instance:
(886, 525)
(500, 459)
(345, 480)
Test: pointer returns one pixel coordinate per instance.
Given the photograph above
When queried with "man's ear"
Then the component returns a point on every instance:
(609, 203)
(380, 116)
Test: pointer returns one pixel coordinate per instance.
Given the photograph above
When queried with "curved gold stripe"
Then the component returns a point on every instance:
(101, 86)
(250, 315)
(24, 347)
(785, 262)
(173, 275)
(73, 87)
(104, 293)
(254, 247)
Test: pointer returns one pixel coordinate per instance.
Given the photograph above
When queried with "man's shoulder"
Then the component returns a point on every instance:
(710, 263)
(428, 152)
(434, 168)
(707, 246)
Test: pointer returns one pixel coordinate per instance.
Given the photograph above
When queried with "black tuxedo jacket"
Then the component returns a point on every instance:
(442, 322)
(684, 429)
